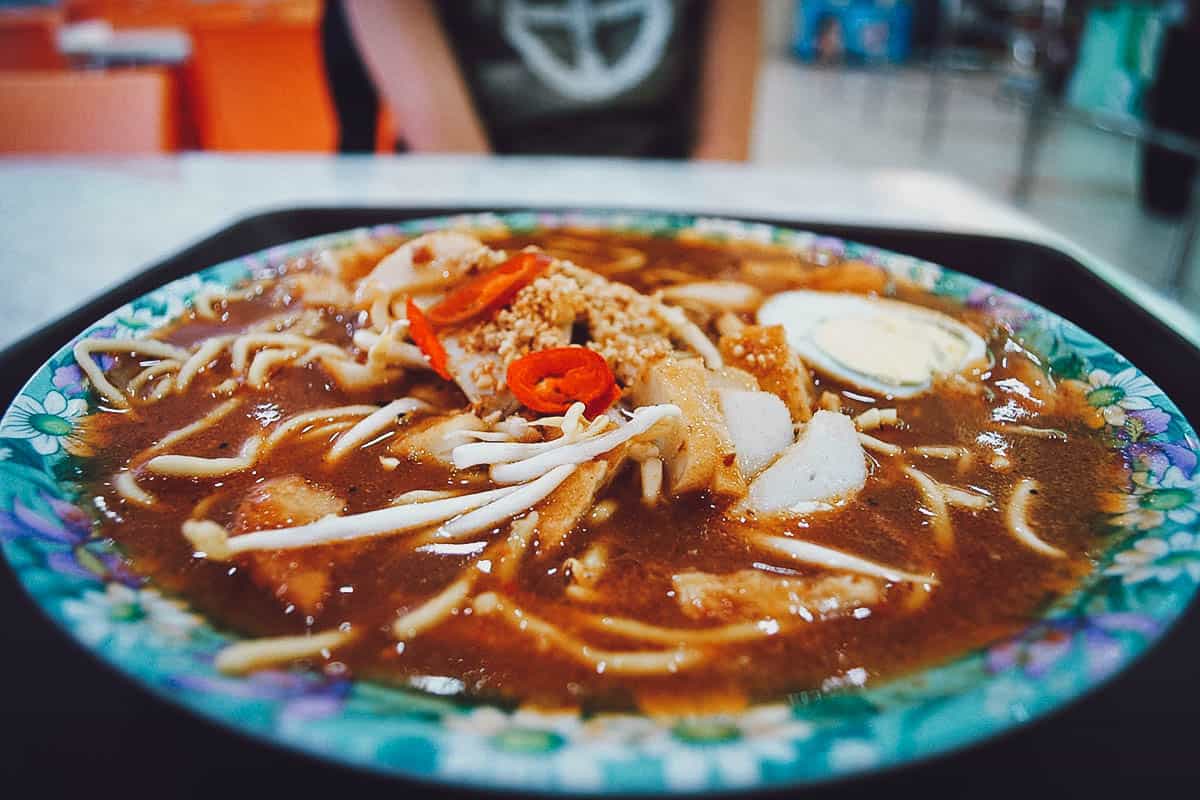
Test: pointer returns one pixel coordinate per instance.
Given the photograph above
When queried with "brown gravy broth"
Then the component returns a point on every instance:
(990, 584)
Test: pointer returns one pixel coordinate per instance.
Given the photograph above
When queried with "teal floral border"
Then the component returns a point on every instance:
(1144, 581)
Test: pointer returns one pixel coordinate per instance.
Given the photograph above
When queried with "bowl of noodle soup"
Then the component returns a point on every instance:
(601, 502)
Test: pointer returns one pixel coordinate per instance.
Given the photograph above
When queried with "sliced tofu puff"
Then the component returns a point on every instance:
(825, 466)
(429, 263)
(714, 296)
(433, 439)
(480, 375)
(352, 262)
(698, 453)
(732, 378)
(748, 594)
(302, 578)
(564, 510)
(763, 352)
(317, 290)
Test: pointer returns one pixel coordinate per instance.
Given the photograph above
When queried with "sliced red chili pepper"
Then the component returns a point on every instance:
(488, 292)
(602, 403)
(550, 381)
(423, 335)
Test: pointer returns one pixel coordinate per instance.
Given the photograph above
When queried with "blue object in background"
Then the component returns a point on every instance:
(1118, 57)
(853, 31)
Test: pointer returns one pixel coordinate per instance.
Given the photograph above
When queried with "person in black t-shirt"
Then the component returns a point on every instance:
(653, 78)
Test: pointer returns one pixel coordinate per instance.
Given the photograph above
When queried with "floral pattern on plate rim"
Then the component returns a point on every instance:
(1145, 580)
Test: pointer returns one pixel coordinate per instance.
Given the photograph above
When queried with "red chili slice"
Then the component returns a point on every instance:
(488, 292)
(602, 403)
(550, 381)
(423, 335)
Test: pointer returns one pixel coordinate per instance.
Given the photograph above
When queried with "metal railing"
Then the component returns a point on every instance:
(1041, 108)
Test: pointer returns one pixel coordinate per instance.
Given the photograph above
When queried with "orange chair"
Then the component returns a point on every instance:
(256, 80)
(261, 86)
(29, 39)
(118, 111)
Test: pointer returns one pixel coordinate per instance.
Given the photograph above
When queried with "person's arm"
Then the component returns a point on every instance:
(732, 49)
(415, 73)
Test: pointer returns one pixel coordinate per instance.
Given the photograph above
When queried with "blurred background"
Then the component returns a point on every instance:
(1079, 112)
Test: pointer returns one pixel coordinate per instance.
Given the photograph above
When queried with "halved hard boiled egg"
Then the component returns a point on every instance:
(882, 346)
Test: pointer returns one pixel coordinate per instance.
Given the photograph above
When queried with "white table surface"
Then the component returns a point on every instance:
(71, 227)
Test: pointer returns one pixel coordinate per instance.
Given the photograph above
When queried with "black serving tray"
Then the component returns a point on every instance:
(72, 726)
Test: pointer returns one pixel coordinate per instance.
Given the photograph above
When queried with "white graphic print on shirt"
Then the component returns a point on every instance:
(590, 77)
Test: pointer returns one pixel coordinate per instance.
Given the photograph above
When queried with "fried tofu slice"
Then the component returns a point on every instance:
(432, 439)
(479, 374)
(749, 594)
(848, 276)
(732, 378)
(698, 453)
(775, 274)
(429, 263)
(763, 351)
(714, 296)
(563, 510)
(300, 577)
(318, 290)
(353, 262)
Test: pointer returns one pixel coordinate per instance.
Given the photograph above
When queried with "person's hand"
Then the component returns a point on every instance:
(416, 74)
(733, 50)
(717, 150)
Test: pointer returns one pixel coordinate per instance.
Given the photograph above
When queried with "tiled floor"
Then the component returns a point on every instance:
(1087, 179)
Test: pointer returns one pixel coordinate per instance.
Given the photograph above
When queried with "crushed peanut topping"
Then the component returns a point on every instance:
(619, 321)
